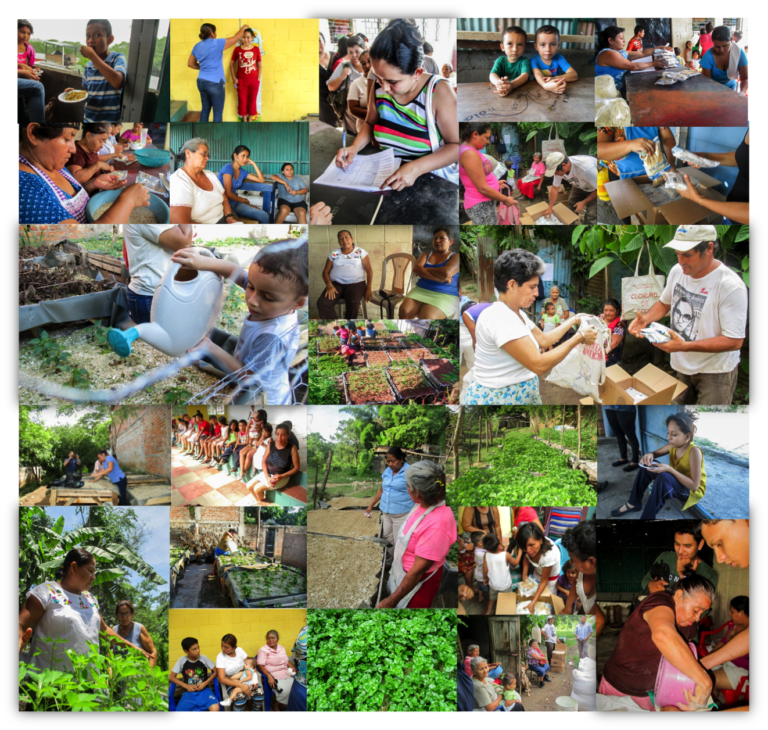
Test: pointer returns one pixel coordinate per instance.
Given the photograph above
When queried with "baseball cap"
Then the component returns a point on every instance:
(552, 160)
(687, 237)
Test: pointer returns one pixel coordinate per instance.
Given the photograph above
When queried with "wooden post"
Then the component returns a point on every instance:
(562, 433)
(327, 472)
(479, 438)
(314, 491)
(456, 432)
(578, 426)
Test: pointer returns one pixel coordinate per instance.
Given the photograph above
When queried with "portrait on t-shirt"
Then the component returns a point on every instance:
(686, 312)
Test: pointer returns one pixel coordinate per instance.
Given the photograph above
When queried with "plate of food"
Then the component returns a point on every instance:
(73, 96)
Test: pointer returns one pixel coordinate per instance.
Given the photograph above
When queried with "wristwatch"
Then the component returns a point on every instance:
(229, 215)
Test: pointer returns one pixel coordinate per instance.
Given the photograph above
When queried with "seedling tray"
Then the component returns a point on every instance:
(286, 598)
(435, 379)
(378, 355)
(426, 390)
(399, 357)
(388, 394)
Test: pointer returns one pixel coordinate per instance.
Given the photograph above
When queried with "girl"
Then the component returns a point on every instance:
(245, 68)
(466, 557)
(216, 443)
(541, 558)
(694, 63)
(223, 450)
(549, 320)
(512, 700)
(218, 423)
(568, 576)
(684, 477)
(25, 52)
(688, 52)
(203, 434)
(255, 435)
(266, 439)
(242, 442)
(612, 317)
(191, 439)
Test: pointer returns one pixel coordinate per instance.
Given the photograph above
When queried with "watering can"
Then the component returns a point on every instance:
(183, 312)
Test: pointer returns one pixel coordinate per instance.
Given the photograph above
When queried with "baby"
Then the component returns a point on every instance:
(550, 69)
(549, 319)
(511, 695)
(248, 676)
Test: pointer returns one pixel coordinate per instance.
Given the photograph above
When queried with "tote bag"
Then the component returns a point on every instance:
(640, 293)
(548, 146)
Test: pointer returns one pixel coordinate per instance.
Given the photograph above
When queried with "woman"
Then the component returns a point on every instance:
(413, 113)
(396, 504)
(357, 98)
(132, 632)
(281, 462)
(85, 164)
(508, 357)
(662, 625)
(327, 115)
(197, 196)
(521, 515)
(538, 662)
(538, 168)
(256, 437)
(612, 317)
(297, 701)
(292, 198)
(705, 41)
(134, 134)
(207, 58)
(541, 559)
(561, 305)
(614, 61)
(482, 519)
(64, 609)
(47, 191)
(725, 62)
(729, 674)
(476, 172)
(621, 148)
(233, 177)
(447, 73)
(621, 419)
(345, 72)
(436, 293)
(230, 663)
(348, 275)
(423, 542)
(273, 663)
(227, 544)
(495, 670)
(487, 697)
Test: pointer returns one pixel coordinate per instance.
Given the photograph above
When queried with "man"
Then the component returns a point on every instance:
(581, 543)
(636, 42)
(550, 634)
(72, 463)
(430, 65)
(115, 474)
(688, 542)
(581, 172)
(708, 306)
(583, 632)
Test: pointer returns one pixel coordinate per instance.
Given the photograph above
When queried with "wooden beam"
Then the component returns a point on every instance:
(471, 35)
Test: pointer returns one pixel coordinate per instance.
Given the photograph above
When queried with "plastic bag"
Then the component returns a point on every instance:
(672, 77)
(548, 220)
(656, 333)
(655, 164)
(676, 181)
(692, 158)
(583, 369)
(612, 113)
(150, 182)
(605, 87)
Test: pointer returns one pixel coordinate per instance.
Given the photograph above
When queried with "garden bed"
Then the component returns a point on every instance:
(440, 372)
(377, 359)
(327, 345)
(399, 356)
(409, 382)
(274, 585)
(367, 387)
(344, 524)
(419, 353)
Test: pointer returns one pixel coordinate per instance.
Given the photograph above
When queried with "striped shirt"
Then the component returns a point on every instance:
(583, 631)
(403, 127)
(104, 102)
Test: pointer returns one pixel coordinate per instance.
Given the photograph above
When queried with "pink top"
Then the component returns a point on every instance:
(467, 668)
(471, 194)
(432, 539)
(275, 661)
(28, 56)
(705, 42)
(743, 661)
(539, 169)
(130, 136)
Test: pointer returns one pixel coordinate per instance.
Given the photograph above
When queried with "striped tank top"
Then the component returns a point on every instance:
(403, 127)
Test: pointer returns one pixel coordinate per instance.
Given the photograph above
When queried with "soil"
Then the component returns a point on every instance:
(399, 356)
(419, 354)
(440, 367)
(339, 503)
(346, 524)
(369, 387)
(377, 359)
(344, 572)
(408, 385)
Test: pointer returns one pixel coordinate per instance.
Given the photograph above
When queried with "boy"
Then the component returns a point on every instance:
(194, 673)
(636, 43)
(679, 55)
(549, 319)
(104, 74)
(481, 590)
(551, 71)
(496, 575)
(511, 70)
(275, 287)
(512, 700)
(251, 678)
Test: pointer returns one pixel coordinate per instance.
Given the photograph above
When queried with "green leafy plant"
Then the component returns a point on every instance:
(578, 137)
(570, 440)
(330, 365)
(50, 352)
(99, 335)
(176, 394)
(323, 390)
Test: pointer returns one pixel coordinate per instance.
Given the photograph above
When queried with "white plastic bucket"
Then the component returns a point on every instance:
(566, 704)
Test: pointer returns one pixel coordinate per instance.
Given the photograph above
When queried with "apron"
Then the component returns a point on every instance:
(74, 206)
(398, 573)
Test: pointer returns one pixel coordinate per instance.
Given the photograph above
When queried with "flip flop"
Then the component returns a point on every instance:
(619, 512)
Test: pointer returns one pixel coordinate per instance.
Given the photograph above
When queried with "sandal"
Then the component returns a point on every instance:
(631, 466)
(626, 508)
(619, 462)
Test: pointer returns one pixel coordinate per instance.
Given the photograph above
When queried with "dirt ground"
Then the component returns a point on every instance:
(340, 503)
(543, 700)
(350, 523)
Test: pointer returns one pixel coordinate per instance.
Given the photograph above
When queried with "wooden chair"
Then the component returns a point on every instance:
(396, 293)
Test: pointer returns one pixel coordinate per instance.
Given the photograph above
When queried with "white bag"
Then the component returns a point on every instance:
(548, 146)
(583, 369)
(640, 293)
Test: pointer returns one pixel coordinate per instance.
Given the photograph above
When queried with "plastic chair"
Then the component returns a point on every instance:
(172, 690)
(733, 697)
(702, 647)
(340, 306)
(397, 292)
(514, 162)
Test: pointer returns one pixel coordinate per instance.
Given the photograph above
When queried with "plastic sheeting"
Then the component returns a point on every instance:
(111, 304)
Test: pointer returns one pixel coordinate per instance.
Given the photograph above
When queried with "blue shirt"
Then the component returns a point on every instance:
(476, 310)
(617, 73)
(557, 67)
(237, 183)
(38, 203)
(583, 631)
(210, 58)
(72, 465)
(117, 473)
(295, 183)
(451, 287)
(632, 165)
(395, 499)
(104, 102)
(721, 77)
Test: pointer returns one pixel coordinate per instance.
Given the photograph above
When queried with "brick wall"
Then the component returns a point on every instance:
(141, 438)
(55, 233)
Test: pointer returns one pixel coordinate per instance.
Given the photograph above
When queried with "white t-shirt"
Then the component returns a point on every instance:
(207, 205)
(499, 577)
(550, 632)
(359, 92)
(268, 348)
(550, 559)
(495, 368)
(347, 268)
(147, 259)
(232, 664)
(69, 616)
(583, 174)
(479, 554)
(430, 66)
(712, 306)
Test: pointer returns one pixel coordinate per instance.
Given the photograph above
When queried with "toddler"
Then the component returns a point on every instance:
(248, 676)
(568, 576)
(512, 700)
(549, 320)
(512, 69)
(694, 64)
(477, 543)
(466, 557)
(245, 67)
(550, 69)
(104, 74)
(496, 576)
(679, 55)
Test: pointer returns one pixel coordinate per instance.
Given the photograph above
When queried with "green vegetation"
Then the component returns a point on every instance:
(570, 440)
(265, 582)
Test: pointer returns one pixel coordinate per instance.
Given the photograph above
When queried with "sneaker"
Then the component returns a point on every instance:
(226, 703)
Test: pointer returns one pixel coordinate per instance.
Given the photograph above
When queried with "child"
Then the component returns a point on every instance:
(467, 557)
(275, 287)
(245, 67)
(354, 339)
(549, 319)
(104, 74)
(568, 576)
(679, 56)
(695, 64)
(369, 329)
(511, 70)
(242, 442)
(550, 69)
(224, 450)
(343, 334)
(192, 438)
(216, 443)
(336, 330)
(194, 673)
(481, 589)
(215, 435)
(512, 700)
(250, 677)
(636, 42)
(203, 435)
(496, 564)
(687, 52)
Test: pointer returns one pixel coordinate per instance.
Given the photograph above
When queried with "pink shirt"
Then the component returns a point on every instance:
(432, 539)
(275, 661)
(28, 56)
(705, 42)
(471, 194)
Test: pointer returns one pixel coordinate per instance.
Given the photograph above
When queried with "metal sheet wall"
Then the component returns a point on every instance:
(271, 143)
(566, 26)
(560, 257)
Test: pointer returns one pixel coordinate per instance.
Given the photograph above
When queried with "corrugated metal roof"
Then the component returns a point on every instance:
(566, 26)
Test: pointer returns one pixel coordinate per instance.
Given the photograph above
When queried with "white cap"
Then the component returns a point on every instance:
(688, 237)
(552, 160)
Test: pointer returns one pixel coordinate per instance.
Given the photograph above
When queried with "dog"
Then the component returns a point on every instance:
(525, 683)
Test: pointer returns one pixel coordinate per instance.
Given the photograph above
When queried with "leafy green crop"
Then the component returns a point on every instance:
(385, 660)
(571, 440)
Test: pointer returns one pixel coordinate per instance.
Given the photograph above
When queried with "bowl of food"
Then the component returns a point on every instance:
(153, 158)
(136, 145)
(157, 212)
(73, 96)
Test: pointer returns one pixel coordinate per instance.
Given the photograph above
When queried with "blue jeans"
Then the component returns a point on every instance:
(139, 307)
(665, 486)
(212, 96)
(243, 210)
(541, 670)
(34, 93)
(122, 486)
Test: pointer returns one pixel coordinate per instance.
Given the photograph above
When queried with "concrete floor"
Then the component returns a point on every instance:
(197, 589)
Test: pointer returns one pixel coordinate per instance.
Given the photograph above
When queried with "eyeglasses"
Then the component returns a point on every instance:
(206, 155)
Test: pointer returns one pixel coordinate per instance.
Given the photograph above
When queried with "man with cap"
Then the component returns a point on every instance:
(707, 304)
(581, 172)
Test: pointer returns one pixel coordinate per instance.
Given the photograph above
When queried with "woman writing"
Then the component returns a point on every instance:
(614, 61)
(348, 275)
(538, 168)
(482, 519)
(541, 559)
(281, 462)
(291, 199)
(229, 663)
(273, 662)
(234, 177)
(132, 632)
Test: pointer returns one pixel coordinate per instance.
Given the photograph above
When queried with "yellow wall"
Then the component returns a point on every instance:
(250, 626)
(290, 79)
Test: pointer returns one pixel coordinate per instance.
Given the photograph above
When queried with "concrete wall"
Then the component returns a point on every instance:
(297, 415)
(141, 438)
(290, 543)
(731, 582)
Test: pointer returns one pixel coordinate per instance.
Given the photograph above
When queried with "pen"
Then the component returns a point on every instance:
(344, 146)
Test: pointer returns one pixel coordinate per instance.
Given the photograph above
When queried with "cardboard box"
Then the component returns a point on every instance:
(660, 388)
(562, 194)
(506, 605)
(559, 669)
(526, 220)
(562, 212)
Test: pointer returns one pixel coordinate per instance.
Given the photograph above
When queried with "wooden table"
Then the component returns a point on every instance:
(68, 497)
(527, 103)
(697, 102)
(134, 168)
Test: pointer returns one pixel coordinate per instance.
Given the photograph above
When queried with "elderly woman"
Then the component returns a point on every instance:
(396, 503)
(47, 191)
(538, 662)
(197, 196)
(531, 187)
(541, 559)
(482, 519)
(348, 275)
(508, 354)
(662, 625)
(233, 177)
(229, 664)
(495, 670)
(561, 305)
(207, 58)
(447, 73)
(132, 632)
(274, 664)
(612, 317)
(436, 293)
(614, 61)
(488, 696)
(292, 198)
(86, 163)
(413, 114)
(280, 463)
(725, 62)
(423, 542)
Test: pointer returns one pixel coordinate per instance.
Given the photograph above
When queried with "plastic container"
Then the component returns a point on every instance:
(566, 704)
(152, 157)
(158, 207)
(671, 682)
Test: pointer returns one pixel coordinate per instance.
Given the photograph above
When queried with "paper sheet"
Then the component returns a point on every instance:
(365, 172)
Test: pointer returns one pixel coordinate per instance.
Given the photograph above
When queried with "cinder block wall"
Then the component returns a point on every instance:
(378, 241)
(142, 439)
(294, 552)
